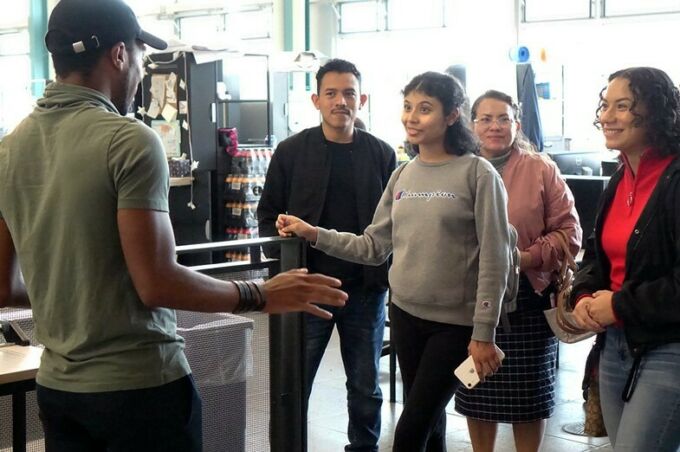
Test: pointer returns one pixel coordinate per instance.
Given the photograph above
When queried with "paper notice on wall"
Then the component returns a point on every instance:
(154, 109)
(171, 89)
(183, 107)
(163, 91)
(169, 113)
(170, 135)
(157, 89)
(185, 125)
(182, 85)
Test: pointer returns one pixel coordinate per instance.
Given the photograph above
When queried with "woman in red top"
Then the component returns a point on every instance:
(629, 285)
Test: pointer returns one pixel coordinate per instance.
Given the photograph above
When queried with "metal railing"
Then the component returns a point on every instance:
(288, 410)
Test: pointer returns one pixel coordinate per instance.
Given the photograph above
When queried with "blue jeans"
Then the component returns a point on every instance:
(162, 419)
(650, 420)
(361, 323)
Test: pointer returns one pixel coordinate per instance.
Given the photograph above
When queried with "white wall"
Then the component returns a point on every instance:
(586, 51)
(323, 27)
(591, 50)
(388, 60)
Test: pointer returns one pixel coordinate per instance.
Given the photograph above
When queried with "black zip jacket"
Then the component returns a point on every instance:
(298, 177)
(648, 303)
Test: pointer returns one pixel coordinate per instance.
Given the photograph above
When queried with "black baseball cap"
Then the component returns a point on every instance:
(77, 26)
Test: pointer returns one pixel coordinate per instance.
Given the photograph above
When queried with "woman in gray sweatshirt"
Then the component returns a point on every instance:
(443, 218)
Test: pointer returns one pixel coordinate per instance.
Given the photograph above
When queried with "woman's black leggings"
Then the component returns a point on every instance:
(428, 352)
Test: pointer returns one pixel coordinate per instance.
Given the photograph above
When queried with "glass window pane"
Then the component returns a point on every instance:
(203, 30)
(148, 7)
(630, 7)
(261, 46)
(165, 29)
(15, 15)
(247, 76)
(402, 14)
(14, 43)
(359, 16)
(186, 5)
(15, 90)
(250, 24)
(537, 10)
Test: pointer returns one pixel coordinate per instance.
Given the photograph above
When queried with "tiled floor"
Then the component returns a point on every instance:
(328, 413)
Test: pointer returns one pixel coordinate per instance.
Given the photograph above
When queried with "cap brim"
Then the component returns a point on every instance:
(153, 41)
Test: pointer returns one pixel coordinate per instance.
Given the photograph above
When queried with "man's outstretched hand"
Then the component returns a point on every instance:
(297, 290)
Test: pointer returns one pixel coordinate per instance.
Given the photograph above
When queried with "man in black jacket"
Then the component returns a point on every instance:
(333, 176)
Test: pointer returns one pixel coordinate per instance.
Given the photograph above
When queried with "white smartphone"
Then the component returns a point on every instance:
(467, 373)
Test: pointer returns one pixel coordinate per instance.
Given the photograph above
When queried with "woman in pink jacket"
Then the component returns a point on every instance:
(522, 393)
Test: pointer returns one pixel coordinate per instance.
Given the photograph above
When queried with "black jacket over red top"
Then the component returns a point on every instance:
(648, 303)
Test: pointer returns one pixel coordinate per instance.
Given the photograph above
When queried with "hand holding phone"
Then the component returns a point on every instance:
(467, 373)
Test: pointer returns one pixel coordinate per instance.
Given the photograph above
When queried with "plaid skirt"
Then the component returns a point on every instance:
(523, 390)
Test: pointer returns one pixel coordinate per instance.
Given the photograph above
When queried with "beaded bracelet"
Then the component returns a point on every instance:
(240, 306)
(259, 287)
(250, 296)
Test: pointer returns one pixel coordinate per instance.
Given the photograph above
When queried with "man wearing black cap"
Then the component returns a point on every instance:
(83, 213)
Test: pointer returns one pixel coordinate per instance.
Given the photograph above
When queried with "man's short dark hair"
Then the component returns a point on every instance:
(336, 65)
(82, 63)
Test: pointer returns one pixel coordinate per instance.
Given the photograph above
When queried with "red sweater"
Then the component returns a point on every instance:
(631, 196)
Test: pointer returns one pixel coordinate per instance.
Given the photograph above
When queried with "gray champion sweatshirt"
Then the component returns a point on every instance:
(446, 225)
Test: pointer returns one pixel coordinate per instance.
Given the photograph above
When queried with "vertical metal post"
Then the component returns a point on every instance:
(37, 26)
(308, 83)
(288, 423)
(270, 126)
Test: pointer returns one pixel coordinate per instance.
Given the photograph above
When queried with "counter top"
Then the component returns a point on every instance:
(582, 177)
(19, 363)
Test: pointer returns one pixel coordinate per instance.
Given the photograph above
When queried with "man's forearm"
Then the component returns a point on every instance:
(189, 290)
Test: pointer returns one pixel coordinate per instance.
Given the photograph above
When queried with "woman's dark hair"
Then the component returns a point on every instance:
(496, 95)
(521, 141)
(654, 90)
(448, 91)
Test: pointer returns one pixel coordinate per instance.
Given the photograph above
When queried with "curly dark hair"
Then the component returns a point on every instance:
(446, 89)
(654, 90)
